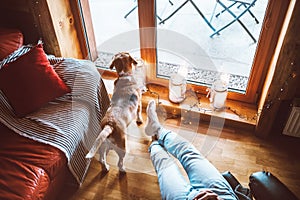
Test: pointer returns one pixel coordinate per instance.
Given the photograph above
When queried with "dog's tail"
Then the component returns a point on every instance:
(107, 130)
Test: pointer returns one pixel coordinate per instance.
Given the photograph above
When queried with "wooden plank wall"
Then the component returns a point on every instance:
(54, 22)
(16, 14)
(64, 26)
(43, 21)
(286, 77)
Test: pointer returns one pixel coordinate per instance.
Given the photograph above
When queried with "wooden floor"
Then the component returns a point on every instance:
(238, 151)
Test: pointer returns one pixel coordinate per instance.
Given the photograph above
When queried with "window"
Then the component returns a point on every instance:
(186, 39)
(144, 34)
(115, 25)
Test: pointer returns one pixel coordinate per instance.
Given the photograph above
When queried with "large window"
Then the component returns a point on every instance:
(184, 40)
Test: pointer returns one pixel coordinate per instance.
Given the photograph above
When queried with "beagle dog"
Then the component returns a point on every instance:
(126, 106)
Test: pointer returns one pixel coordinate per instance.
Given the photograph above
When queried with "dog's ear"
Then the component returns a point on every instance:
(116, 62)
(133, 61)
(112, 64)
(113, 61)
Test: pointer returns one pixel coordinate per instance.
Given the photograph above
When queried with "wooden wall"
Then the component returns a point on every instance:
(284, 86)
(59, 23)
(51, 20)
(43, 20)
(16, 14)
(64, 26)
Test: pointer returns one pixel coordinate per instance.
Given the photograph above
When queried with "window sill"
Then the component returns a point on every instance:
(237, 114)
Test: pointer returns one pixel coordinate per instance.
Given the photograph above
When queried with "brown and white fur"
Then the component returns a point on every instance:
(125, 107)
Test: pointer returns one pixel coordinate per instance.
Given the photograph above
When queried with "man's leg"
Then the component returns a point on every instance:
(172, 184)
(201, 173)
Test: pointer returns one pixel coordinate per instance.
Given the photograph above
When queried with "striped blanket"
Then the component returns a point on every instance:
(71, 122)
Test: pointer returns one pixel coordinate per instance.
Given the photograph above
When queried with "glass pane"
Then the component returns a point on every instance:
(186, 40)
(115, 26)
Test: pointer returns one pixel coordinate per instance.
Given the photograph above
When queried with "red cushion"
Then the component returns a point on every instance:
(30, 82)
(10, 40)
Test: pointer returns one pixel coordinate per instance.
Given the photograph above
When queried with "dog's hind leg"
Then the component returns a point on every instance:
(106, 131)
(121, 153)
(103, 151)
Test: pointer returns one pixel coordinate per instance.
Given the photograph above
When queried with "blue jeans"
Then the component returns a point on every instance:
(201, 173)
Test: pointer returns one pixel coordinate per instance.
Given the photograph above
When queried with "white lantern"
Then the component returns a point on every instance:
(218, 94)
(177, 88)
(140, 74)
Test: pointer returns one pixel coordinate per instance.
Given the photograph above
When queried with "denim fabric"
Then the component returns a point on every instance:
(201, 173)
